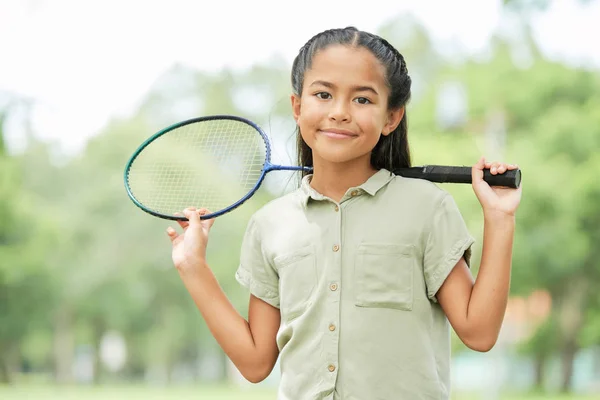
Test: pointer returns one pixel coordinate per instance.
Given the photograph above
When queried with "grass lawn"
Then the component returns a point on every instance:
(204, 392)
(132, 392)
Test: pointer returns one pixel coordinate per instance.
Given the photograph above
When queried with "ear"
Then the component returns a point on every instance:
(393, 120)
(296, 106)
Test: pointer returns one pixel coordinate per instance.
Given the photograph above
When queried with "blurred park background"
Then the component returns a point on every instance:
(90, 305)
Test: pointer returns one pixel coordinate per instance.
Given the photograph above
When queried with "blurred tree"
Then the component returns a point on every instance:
(538, 5)
(111, 266)
(24, 239)
(554, 134)
(552, 130)
(101, 264)
(520, 5)
(561, 222)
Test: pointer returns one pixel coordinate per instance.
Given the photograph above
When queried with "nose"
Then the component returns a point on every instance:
(339, 112)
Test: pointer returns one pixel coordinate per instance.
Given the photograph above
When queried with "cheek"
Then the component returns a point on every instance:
(309, 115)
(307, 139)
(373, 123)
(304, 124)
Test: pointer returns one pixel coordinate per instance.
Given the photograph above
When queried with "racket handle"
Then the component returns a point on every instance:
(452, 174)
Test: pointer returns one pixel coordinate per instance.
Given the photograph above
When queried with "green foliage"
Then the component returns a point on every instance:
(70, 239)
(532, 5)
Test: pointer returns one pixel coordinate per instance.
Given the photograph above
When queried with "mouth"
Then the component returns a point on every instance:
(337, 133)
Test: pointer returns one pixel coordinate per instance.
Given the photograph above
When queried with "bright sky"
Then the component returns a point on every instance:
(82, 62)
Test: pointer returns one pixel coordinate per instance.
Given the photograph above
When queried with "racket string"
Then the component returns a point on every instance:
(211, 164)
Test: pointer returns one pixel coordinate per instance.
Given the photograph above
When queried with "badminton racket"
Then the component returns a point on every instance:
(218, 162)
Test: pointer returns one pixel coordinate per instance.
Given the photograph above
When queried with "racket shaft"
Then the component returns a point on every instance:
(454, 174)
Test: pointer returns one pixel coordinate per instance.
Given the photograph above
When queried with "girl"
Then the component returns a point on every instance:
(357, 276)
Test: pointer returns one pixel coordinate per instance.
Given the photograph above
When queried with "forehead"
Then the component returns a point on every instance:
(346, 65)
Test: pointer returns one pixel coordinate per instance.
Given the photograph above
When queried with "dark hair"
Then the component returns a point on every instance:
(391, 151)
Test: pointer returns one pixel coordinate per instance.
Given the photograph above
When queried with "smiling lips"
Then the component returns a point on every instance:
(338, 133)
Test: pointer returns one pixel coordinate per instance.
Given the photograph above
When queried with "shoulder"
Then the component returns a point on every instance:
(281, 225)
(421, 191)
(421, 201)
(277, 210)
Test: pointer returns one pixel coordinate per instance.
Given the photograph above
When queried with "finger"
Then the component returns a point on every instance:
(477, 170)
(172, 234)
(207, 222)
(494, 167)
(501, 168)
(481, 163)
(182, 224)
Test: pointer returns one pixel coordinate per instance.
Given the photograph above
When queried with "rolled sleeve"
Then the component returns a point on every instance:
(255, 272)
(448, 240)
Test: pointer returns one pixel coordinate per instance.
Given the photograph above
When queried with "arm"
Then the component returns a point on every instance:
(476, 309)
(251, 344)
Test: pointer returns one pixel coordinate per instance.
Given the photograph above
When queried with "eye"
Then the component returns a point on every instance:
(323, 95)
(362, 100)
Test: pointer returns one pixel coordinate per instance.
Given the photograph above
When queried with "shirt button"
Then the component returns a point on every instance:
(332, 327)
(354, 193)
(336, 247)
(331, 368)
(333, 287)
(336, 208)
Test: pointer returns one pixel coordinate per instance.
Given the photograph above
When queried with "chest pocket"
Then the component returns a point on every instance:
(383, 276)
(297, 281)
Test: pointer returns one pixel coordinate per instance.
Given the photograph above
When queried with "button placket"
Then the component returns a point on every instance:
(332, 357)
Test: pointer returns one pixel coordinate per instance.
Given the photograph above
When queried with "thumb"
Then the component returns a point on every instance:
(192, 215)
(477, 170)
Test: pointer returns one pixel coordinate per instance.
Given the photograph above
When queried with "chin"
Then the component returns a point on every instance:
(339, 156)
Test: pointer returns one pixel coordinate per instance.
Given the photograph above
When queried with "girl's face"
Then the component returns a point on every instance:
(343, 108)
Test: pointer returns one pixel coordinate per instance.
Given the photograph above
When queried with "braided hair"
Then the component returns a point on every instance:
(391, 151)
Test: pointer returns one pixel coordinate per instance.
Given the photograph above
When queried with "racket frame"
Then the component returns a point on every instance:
(267, 166)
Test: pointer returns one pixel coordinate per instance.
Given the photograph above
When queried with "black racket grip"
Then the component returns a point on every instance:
(454, 174)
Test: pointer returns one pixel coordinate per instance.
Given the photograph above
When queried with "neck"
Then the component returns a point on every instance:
(334, 179)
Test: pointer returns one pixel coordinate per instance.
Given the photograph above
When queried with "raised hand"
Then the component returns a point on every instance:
(495, 200)
(189, 247)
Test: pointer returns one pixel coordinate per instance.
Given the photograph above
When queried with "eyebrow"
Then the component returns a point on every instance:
(354, 88)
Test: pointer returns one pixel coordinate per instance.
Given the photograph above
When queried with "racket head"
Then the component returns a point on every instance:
(163, 183)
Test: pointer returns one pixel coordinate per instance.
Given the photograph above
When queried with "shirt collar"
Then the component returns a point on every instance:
(371, 187)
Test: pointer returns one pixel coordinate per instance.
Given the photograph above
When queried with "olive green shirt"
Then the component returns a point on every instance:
(355, 283)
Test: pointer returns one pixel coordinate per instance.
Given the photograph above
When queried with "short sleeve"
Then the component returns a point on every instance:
(255, 272)
(447, 240)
